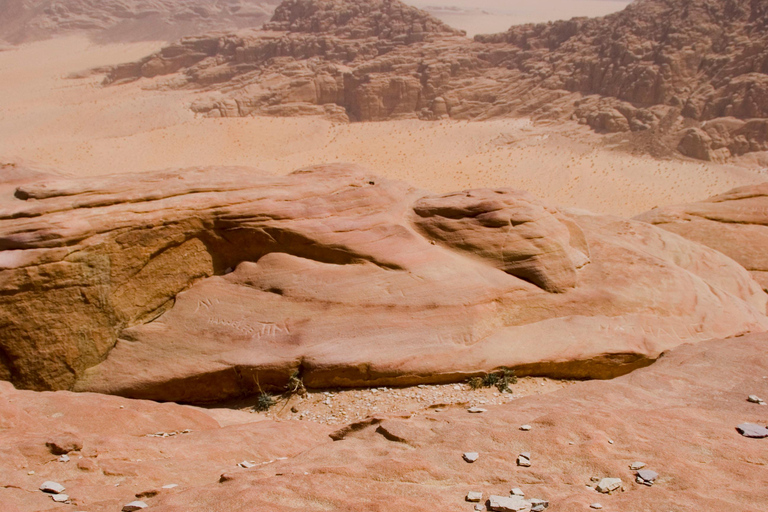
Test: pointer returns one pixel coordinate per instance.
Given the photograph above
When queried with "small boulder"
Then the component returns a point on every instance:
(509, 504)
(538, 505)
(647, 477)
(636, 466)
(61, 445)
(609, 485)
(517, 492)
(471, 456)
(756, 400)
(524, 460)
(752, 430)
(60, 498)
(134, 506)
(474, 496)
(52, 488)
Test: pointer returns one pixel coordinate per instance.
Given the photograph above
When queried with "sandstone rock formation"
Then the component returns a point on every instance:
(127, 20)
(678, 416)
(734, 223)
(202, 284)
(691, 75)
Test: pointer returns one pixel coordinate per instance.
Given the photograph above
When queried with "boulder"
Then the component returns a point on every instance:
(204, 284)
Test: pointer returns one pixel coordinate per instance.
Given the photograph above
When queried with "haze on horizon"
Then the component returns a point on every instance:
(488, 16)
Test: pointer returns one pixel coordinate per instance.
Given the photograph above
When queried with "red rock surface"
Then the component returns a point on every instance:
(683, 75)
(127, 20)
(202, 284)
(677, 416)
(734, 223)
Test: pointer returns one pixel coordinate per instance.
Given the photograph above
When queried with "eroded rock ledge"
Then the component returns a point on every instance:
(202, 284)
(687, 76)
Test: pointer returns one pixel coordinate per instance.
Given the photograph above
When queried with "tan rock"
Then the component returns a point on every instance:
(203, 284)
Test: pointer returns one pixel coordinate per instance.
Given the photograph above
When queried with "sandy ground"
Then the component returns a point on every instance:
(342, 406)
(81, 128)
(490, 16)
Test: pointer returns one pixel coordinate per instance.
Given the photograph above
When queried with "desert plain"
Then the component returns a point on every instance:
(554, 298)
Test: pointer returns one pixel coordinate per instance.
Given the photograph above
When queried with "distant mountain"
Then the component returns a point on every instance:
(687, 75)
(127, 20)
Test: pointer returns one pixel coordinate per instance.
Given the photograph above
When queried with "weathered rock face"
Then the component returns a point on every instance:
(676, 416)
(734, 223)
(677, 70)
(202, 284)
(385, 19)
(127, 20)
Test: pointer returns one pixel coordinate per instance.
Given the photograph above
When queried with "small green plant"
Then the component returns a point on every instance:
(500, 379)
(475, 383)
(264, 402)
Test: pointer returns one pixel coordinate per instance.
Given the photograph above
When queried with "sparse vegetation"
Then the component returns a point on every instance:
(295, 385)
(501, 379)
(264, 402)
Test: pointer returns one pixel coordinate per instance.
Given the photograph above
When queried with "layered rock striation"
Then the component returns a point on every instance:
(734, 223)
(690, 75)
(203, 284)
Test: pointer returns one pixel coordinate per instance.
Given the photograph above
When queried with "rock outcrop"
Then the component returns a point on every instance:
(127, 20)
(734, 223)
(676, 416)
(689, 74)
(203, 284)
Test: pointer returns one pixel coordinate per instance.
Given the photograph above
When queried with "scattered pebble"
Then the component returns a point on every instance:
(636, 465)
(608, 485)
(596, 506)
(60, 498)
(647, 477)
(756, 400)
(524, 460)
(170, 486)
(30, 473)
(479, 507)
(247, 465)
(526, 428)
(538, 505)
(508, 504)
(134, 506)
(471, 456)
(517, 492)
(64, 458)
(610, 441)
(474, 496)
(477, 410)
(52, 487)
(752, 430)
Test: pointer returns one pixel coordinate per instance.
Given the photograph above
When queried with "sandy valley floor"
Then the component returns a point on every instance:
(80, 128)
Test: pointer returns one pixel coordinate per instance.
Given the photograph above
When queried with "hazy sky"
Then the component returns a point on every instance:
(501, 14)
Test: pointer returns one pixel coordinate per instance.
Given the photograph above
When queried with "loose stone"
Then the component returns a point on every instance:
(471, 456)
(509, 504)
(517, 492)
(134, 506)
(608, 485)
(60, 498)
(477, 410)
(474, 496)
(646, 477)
(596, 506)
(526, 428)
(636, 465)
(752, 430)
(52, 488)
(524, 460)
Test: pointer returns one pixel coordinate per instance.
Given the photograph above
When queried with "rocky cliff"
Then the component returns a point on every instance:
(690, 75)
(199, 285)
(127, 20)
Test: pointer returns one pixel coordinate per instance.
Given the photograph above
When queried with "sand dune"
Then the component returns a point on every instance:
(84, 129)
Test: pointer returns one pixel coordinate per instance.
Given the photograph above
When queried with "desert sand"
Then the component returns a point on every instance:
(80, 128)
